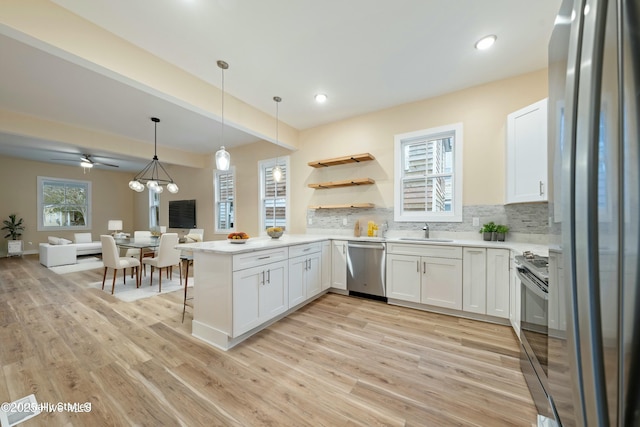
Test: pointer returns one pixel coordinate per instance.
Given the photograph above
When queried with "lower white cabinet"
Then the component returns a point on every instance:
(326, 265)
(305, 278)
(442, 282)
(403, 277)
(259, 294)
(474, 280)
(498, 292)
(339, 264)
(485, 281)
(434, 278)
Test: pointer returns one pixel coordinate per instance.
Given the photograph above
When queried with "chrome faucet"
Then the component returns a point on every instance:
(426, 230)
(385, 228)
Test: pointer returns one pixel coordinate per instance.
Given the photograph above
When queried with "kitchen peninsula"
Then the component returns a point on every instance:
(242, 288)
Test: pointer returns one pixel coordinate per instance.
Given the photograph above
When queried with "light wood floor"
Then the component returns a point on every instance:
(339, 361)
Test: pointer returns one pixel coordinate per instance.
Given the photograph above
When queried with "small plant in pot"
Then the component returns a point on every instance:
(501, 232)
(14, 230)
(487, 231)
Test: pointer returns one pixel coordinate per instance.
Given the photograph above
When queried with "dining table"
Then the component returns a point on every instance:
(149, 243)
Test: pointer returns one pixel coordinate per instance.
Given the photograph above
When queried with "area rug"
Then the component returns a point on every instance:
(130, 293)
(82, 264)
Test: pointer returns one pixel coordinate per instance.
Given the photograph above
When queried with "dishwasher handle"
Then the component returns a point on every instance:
(379, 246)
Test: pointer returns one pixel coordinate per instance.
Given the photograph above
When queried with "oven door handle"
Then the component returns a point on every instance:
(532, 286)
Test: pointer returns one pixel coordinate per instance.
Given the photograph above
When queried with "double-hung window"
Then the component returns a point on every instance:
(154, 210)
(225, 188)
(428, 175)
(63, 204)
(274, 197)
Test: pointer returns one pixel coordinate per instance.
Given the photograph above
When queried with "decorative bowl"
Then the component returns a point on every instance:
(275, 232)
(237, 241)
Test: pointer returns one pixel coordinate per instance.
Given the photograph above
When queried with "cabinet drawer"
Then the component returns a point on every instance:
(254, 259)
(305, 249)
(422, 249)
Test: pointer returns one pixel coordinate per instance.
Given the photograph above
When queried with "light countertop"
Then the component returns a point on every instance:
(263, 243)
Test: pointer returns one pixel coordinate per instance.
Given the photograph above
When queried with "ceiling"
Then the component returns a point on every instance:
(366, 56)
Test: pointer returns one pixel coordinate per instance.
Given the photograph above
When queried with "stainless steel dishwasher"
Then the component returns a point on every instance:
(366, 269)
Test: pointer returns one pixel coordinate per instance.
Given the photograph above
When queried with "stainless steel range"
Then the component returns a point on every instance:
(533, 271)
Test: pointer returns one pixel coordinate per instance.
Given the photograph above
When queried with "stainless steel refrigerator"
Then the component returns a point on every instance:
(594, 288)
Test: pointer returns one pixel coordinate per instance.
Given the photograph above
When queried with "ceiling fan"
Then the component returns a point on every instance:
(86, 161)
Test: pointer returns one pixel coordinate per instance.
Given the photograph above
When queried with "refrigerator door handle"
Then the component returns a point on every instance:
(587, 268)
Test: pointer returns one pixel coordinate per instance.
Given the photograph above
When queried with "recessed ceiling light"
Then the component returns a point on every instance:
(320, 98)
(486, 42)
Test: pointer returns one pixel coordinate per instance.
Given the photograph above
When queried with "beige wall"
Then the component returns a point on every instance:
(111, 197)
(481, 109)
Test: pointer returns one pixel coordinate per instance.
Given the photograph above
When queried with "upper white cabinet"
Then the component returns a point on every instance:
(527, 154)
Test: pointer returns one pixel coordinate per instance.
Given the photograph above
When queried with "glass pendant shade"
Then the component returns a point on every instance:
(172, 188)
(277, 173)
(223, 159)
(86, 164)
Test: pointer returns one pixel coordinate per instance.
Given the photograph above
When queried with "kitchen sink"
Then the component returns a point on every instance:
(426, 239)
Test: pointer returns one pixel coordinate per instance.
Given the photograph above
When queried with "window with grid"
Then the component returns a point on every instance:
(225, 197)
(428, 178)
(274, 197)
(63, 204)
(154, 210)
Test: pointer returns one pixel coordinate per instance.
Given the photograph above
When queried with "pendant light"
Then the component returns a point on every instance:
(277, 170)
(154, 175)
(223, 159)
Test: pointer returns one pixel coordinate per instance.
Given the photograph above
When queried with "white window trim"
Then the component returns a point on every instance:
(456, 213)
(262, 164)
(216, 198)
(40, 198)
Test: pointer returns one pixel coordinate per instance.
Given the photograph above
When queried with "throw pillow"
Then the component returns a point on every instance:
(82, 237)
(62, 241)
(53, 240)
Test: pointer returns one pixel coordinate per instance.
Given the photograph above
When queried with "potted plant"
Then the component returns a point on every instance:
(14, 230)
(487, 230)
(501, 231)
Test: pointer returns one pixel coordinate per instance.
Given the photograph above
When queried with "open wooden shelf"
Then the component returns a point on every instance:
(344, 183)
(347, 205)
(355, 158)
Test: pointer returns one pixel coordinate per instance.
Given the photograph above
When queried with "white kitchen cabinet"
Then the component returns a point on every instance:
(305, 274)
(527, 154)
(403, 277)
(498, 293)
(435, 270)
(305, 279)
(339, 265)
(259, 294)
(474, 280)
(326, 265)
(442, 282)
(514, 297)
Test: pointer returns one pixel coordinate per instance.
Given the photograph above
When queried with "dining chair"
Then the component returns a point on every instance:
(167, 257)
(111, 259)
(135, 252)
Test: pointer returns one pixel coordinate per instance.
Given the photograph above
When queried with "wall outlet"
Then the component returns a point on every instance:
(476, 221)
(344, 221)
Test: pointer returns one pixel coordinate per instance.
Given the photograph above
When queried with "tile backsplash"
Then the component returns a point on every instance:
(527, 218)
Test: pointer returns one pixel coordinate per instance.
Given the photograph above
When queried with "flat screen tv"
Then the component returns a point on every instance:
(182, 214)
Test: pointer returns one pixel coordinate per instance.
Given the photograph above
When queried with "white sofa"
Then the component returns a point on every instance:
(58, 252)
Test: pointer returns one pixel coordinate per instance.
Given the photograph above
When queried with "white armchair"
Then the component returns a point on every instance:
(167, 257)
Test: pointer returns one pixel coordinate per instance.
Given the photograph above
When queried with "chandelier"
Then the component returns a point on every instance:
(154, 175)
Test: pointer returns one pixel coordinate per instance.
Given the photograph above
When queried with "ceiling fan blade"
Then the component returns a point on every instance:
(105, 164)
